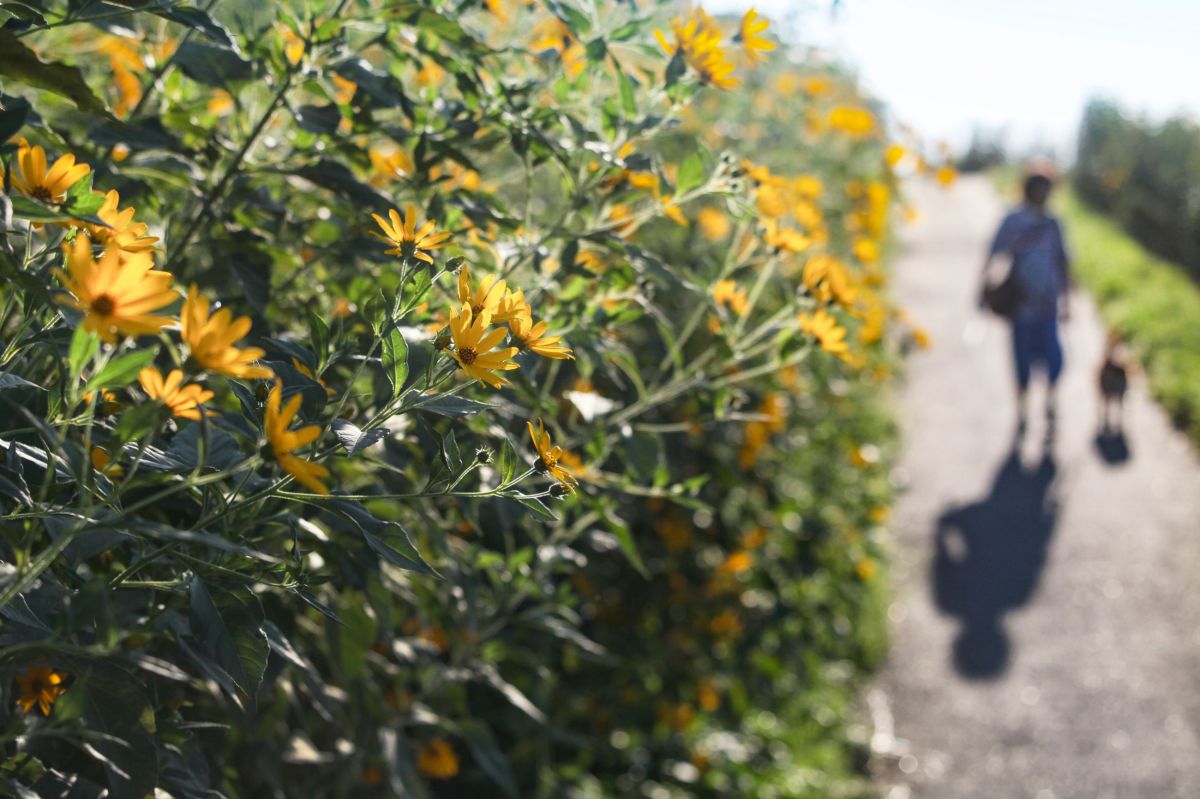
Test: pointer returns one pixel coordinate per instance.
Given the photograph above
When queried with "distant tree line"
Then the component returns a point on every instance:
(1146, 176)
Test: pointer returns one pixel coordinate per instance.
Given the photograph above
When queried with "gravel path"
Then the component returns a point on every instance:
(1045, 629)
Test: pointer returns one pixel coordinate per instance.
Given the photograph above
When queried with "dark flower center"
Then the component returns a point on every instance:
(467, 355)
(476, 310)
(103, 305)
(42, 194)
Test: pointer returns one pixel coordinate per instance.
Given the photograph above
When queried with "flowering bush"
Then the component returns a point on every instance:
(435, 398)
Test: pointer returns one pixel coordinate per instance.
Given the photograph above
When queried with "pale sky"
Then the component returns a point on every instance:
(1026, 65)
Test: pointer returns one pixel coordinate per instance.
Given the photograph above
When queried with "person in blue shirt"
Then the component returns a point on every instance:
(1033, 239)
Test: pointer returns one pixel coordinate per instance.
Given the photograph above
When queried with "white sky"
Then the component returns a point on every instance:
(1024, 65)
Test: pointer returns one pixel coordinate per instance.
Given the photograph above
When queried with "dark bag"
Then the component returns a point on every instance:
(1004, 297)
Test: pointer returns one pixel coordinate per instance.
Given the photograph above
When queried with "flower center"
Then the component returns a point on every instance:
(467, 355)
(103, 305)
(476, 310)
(42, 194)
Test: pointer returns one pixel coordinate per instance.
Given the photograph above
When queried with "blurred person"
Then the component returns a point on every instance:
(1113, 381)
(1033, 294)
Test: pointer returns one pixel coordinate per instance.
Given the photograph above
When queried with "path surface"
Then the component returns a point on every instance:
(1046, 619)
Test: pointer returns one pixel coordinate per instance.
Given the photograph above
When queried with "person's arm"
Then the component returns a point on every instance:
(999, 244)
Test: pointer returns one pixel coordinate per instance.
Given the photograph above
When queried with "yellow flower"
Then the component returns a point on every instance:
(818, 85)
(437, 760)
(528, 336)
(824, 328)
(343, 89)
(946, 175)
(211, 338)
(854, 121)
(498, 9)
(672, 211)
(699, 40)
(103, 463)
(282, 441)
(129, 89)
(431, 74)
(293, 46)
(183, 401)
(714, 225)
(389, 165)
(549, 456)
(474, 347)
(753, 45)
(115, 295)
(786, 239)
(921, 337)
(33, 179)
(487, 296)
(866, 250)
(220, 103)
(410, 241)
(553, 34)
(122, 233)
(727, 293)
(893, 155)
(40, 687)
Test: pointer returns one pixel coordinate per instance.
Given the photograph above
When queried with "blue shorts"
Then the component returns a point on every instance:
(1035, 341)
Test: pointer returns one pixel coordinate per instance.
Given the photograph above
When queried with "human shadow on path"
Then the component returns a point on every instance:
(989, 558)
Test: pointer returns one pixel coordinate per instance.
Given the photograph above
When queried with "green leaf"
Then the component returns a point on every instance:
(13, 113)
(212, 65)
(395, 360)
(624, 537)
(137, 421)
(22, 64)
(8, 381)
(537, 509)
(318, 331)
(81, 200)
(122, 371)
(189, 17)
(691, 174)
(488, 756)
(125, 747)
(596, 50)
(388, 539)
(84, 344)
(449, 405)
(506, 461)
(228, 626)
(628, 102)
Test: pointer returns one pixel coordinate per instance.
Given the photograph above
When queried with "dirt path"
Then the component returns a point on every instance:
(1046, 621)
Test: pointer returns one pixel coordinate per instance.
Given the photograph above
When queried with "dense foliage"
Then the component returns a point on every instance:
(1146, 176)
(534, 448)
(1150, 302)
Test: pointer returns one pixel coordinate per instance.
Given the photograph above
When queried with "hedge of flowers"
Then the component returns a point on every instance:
(436, 398)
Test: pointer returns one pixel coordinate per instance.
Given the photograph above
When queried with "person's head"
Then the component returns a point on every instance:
(1037, 189)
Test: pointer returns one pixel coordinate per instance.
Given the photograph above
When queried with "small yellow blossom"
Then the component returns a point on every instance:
(549, 456)
(281, 441)
(40, 687)
(183, 401)
(31, 177)
(407, 239)
(824, 328)
(115, 294)
(753, 43)
(437, 761)
(475, 347)
(211, 339)
(103, 463)
(529, 336)
(122, 233)
(713, 224)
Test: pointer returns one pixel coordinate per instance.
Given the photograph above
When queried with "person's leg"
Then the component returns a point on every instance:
(1052, 357)
(1023, 361)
